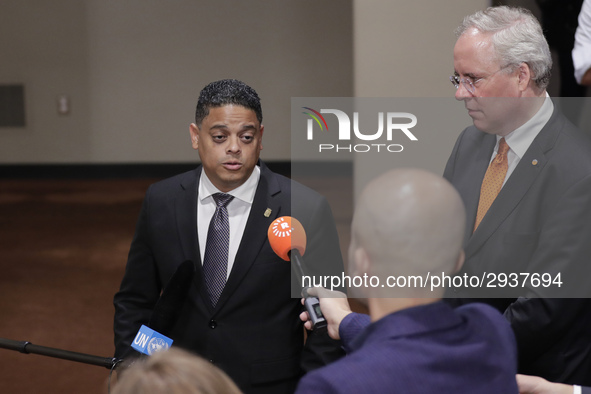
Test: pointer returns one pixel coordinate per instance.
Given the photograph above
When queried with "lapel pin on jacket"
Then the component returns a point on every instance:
(268, 212)
(534, 162)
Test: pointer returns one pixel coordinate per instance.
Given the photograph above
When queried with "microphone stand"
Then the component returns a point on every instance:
(165, 312)
(28, 348)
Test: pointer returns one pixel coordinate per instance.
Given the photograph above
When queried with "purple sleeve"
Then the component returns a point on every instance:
(351, 326)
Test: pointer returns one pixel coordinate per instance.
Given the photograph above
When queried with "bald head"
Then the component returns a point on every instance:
(408, 222)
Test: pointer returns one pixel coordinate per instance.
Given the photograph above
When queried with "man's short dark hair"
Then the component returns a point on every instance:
(225, 92)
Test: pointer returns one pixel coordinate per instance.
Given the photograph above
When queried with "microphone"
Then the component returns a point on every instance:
(148, 341)
(152, 338)
(288, 240)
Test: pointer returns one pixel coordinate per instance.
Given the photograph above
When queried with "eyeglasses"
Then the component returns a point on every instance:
(468, 82)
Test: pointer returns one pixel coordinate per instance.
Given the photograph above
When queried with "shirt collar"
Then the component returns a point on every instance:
(521, 138)
(244, 192)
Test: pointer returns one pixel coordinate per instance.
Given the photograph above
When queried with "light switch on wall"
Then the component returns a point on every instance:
(63, 104)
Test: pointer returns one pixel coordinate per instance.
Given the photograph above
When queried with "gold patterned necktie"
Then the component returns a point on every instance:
(493, 181)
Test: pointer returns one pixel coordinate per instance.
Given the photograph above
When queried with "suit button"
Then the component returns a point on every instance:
(213, 324)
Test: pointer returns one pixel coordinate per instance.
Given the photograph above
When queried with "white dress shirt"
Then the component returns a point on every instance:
(521, 138)
(582, 51)
(577, 389)
(238, 211)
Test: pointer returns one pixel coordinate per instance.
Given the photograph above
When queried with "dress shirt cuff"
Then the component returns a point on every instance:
(582, 64)
(577, 389)
(351, 326)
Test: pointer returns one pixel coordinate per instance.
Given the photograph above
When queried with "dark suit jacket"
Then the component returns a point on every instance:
(539, 223)
(426, 349)
(254, 332)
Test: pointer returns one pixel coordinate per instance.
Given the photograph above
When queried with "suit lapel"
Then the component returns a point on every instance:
(186, 216)
(255, 232)
(520, 181)
(186, 213)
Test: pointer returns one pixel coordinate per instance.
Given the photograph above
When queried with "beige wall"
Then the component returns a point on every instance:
(133, 70)
(43, 46)
(404, 49)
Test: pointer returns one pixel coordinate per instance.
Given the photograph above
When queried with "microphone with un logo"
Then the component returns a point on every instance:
(288, 240)
(150, 339)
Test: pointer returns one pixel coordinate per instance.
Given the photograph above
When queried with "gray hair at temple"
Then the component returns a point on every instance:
(517, 37)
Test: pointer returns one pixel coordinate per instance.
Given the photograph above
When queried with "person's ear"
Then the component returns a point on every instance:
(261, 139)
(525, 76)
(362, 261)
(460, 262)
(194, 131)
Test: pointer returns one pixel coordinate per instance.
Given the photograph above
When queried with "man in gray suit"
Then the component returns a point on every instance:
(524, 174)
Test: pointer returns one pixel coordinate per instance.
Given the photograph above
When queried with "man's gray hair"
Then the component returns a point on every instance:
(517, 38)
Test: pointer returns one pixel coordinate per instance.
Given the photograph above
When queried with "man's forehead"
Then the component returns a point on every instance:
(474, 48)
(229, 107)
(231, 110)
(475, 41)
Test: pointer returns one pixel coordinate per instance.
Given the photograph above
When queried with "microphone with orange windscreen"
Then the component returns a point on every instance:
(288, 240)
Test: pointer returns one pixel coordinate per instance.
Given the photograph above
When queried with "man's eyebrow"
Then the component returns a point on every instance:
(469, 75)
(223, 126)
(220, 126)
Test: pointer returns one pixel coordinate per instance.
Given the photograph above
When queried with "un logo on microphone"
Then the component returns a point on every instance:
(156, 345)
(148, 341)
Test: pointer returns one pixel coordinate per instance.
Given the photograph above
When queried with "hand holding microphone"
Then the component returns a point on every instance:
(335, 307)
(288, 240)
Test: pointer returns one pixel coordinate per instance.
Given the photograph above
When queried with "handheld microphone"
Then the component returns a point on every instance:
(288, 240)
(148, 341)
(153, 337)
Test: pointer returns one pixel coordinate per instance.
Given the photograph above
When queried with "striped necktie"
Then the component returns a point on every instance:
(215, 261)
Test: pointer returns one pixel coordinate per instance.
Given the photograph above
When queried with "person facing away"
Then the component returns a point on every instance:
(407, 224)
(174, 371)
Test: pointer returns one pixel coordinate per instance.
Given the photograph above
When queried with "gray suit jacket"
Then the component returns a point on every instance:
(540, 223)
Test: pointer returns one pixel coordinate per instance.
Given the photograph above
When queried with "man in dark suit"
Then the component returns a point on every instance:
(524, 174)
(408, 223)
(238, 312)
